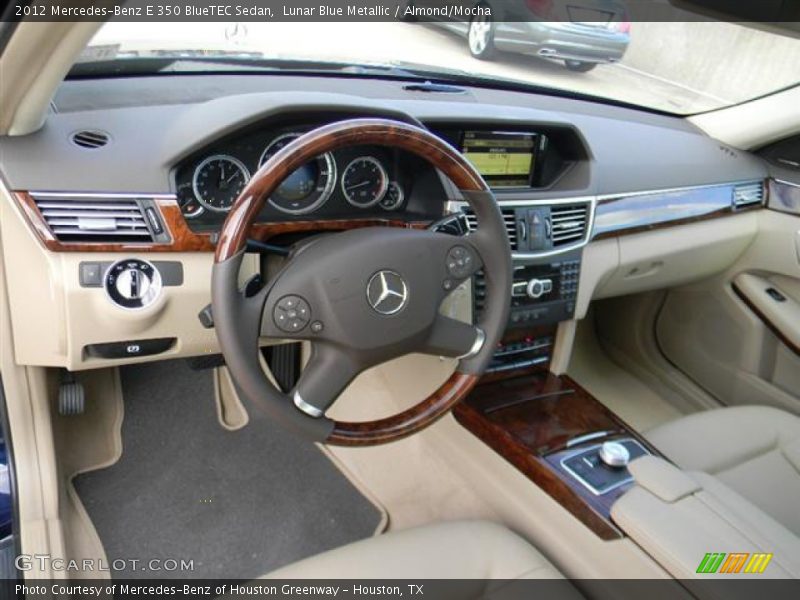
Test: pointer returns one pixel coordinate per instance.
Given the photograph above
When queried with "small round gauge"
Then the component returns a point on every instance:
(364, 182)
(190, 207)
(308, 187)
(393, 198)
(218, 181)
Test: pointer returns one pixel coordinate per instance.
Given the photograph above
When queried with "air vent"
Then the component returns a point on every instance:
(104, 220)
(569, 223)
(509, 216)
(90, 139)
(748, 194)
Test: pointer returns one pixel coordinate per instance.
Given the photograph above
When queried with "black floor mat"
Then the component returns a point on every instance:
(238, 504)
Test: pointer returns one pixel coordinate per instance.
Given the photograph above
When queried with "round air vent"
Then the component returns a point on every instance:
(90, 138)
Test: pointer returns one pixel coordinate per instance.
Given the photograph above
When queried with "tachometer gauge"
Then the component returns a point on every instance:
(364, 182)
(218, 181)
(308, 187)
(393, 198)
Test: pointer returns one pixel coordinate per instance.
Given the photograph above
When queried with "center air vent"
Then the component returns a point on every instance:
(509, 216)
(569, 223)
(748, 194)
(105, 220)
(90, 139)
(543, 228)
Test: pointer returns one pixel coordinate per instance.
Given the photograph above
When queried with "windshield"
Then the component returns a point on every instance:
(677, 67)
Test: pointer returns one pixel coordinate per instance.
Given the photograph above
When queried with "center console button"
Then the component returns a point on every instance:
(614, 454)
(539, 287)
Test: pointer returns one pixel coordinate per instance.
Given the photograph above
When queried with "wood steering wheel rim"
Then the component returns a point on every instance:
(232, 243)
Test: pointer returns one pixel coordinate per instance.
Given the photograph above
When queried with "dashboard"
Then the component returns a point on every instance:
(351, 183)
(573, 180)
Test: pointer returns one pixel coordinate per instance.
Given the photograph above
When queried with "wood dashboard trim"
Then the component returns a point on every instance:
(183, 239)
(639, 212)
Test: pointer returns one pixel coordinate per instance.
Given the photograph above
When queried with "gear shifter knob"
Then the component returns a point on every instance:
(614, 454)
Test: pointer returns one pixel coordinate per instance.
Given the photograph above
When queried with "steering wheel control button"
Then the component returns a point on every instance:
(387, 292)
(291, 314)
(133, 283)
(460, 262)
(614, 454)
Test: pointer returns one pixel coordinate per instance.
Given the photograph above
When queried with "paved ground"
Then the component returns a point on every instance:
(393, 42)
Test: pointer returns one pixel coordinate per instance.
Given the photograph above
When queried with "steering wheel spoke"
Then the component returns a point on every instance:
(328, 372)
(454, 339)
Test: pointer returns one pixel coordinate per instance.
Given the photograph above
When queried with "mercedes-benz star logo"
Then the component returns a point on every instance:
(387, 292)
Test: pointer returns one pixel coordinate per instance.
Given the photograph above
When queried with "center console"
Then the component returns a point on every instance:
(561, 438)
(551, 429)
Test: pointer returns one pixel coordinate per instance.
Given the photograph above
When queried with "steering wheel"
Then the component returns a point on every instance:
(363, 296)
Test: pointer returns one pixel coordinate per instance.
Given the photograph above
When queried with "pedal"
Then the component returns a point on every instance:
(71, 396)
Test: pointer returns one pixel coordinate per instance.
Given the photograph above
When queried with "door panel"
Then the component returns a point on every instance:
(738, 334)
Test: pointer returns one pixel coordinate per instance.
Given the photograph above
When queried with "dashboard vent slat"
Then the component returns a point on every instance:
(569, 223)
(90, 139)
(105, 220)
(748, 194)
(509, 217)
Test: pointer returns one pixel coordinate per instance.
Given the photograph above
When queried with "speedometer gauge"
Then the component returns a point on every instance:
(218, 181)
(364, 182)
(308, 187)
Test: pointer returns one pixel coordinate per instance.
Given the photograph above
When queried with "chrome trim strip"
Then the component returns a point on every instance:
(480, 339)
(311, 411)
(587, 437)
(686, 188)
(789, 183)
(142, 196)
(539, 201)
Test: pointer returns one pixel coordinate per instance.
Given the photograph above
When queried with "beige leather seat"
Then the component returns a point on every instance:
(753, 450)
(456, 550)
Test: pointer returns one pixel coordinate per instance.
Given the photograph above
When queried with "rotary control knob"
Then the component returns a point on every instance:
(133, 283)
(539, 287)
(614, 454)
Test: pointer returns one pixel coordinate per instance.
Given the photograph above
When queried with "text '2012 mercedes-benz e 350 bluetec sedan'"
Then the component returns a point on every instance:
(303, 297)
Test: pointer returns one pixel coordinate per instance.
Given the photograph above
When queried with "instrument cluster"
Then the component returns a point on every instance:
(348, 183)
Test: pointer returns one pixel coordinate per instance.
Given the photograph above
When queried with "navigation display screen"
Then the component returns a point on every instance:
(504, 159)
